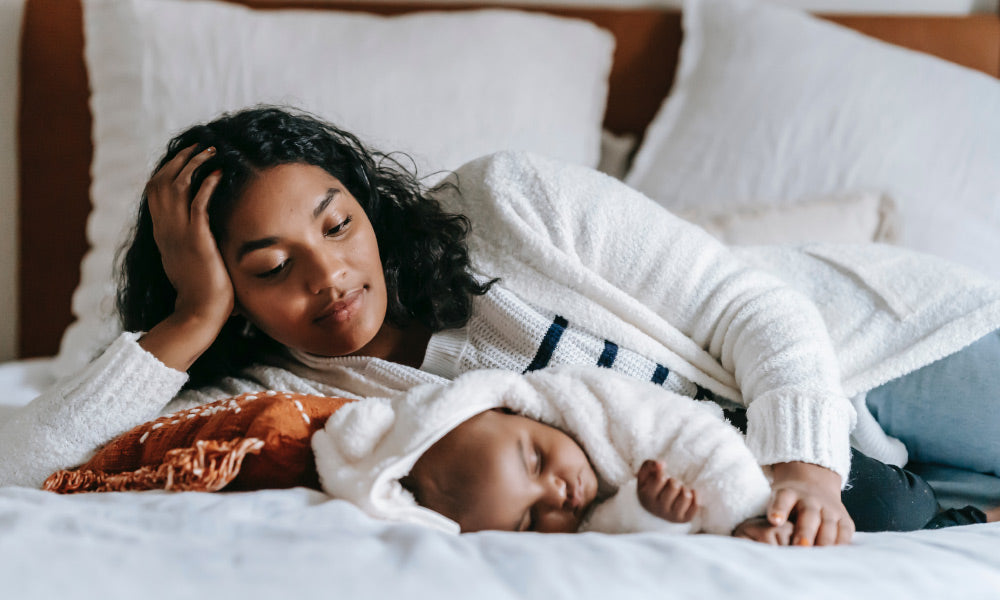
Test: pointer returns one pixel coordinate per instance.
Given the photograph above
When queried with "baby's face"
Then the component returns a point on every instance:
(506, 472)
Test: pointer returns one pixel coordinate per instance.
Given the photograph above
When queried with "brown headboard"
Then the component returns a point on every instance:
(54, 119)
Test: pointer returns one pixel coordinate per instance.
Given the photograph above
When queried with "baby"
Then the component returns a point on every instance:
(559, 450)
(502, 471)
(578, 449)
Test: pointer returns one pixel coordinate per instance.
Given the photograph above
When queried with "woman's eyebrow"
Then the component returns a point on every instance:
(250, 246)
(322, 204)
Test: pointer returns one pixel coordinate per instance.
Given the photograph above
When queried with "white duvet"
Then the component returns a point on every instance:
(300, 544)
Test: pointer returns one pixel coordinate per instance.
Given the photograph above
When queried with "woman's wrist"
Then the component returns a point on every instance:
(180, 339)
(803, 471)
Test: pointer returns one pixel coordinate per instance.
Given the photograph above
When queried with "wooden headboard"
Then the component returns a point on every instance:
(54, 119)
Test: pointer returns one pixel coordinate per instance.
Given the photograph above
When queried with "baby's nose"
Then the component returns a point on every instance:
(557, 492)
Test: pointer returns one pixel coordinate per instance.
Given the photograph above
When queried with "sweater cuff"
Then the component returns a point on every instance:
(130, 382)
(814, 429)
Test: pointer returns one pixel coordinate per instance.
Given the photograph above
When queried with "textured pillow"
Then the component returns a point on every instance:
(445, 87)
(249, 442)
(616, 153)
(771, 105)
(843, 219)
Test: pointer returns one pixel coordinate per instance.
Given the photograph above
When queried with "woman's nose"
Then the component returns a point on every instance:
(323, 272)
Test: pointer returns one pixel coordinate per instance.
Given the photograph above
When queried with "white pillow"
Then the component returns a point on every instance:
(856, 218)
(10, 53)
(445, 87)
(770, 104)
(616, 153)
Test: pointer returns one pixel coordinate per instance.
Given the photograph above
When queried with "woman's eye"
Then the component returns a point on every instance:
(339, 227)
(273, 272)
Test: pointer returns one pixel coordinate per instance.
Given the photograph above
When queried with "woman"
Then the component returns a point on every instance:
(270, 237)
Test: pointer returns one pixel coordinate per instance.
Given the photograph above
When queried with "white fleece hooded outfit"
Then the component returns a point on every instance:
(793, 334)
(367, 447)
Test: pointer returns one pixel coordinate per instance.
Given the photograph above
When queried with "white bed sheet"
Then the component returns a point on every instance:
(299, 543)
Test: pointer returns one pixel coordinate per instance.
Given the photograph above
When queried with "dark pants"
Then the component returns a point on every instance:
(881, 497)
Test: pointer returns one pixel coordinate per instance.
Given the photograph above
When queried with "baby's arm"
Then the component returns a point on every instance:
(664, 496)
(649, 502)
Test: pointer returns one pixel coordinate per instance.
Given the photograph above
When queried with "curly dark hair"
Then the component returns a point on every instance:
(423, 249)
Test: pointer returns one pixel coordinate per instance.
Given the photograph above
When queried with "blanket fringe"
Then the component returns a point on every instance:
(208, 466)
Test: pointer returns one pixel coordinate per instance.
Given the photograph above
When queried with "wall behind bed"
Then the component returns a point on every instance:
(10, 19)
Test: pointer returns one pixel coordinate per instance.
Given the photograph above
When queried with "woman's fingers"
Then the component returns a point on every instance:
(828, 531)
(166, 174)
(807, 521)
(845, 531)
(782, 503)
(183, 179)
(199, 206)
(168, 190)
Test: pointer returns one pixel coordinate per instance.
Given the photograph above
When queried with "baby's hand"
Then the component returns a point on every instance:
(759, 529)
(664, 496)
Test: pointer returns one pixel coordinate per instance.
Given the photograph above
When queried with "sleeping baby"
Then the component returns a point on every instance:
(561, 450)
(579, 449)
(503, 471)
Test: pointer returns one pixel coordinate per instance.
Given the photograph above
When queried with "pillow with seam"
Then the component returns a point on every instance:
(157, 67)
(771, 104)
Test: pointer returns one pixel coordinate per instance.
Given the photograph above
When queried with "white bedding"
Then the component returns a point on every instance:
(295, 543)
(298, 543)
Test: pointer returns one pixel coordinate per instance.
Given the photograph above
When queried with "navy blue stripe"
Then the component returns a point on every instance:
(548, 345)
(660, 374)
(608, 356)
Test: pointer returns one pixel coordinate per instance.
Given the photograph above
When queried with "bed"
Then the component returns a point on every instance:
(604, 102)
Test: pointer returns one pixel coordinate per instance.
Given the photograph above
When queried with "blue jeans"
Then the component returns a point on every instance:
(948, 412)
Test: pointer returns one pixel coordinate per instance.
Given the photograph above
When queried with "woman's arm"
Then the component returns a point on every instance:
(679, 285)
(191, 260)
(135, 378)
(124, 387)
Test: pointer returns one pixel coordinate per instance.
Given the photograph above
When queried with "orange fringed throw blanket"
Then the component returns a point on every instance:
(254, 441)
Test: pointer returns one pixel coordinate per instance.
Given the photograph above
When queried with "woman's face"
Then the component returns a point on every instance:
(304, 262)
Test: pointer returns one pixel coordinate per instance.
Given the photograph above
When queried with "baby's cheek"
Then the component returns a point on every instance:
(558, 522)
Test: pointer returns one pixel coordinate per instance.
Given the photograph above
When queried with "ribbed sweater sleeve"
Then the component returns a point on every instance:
(554, 230)
(124, 387)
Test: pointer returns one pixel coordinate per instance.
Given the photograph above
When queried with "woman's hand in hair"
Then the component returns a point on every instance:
(191, 260)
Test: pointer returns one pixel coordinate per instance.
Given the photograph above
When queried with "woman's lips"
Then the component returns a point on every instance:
(342, 309)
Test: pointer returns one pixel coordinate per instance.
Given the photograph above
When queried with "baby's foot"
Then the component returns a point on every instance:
(993, 514)
(759, 529)
(665, 496)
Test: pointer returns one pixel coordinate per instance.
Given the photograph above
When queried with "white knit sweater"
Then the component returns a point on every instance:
(826, 324)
